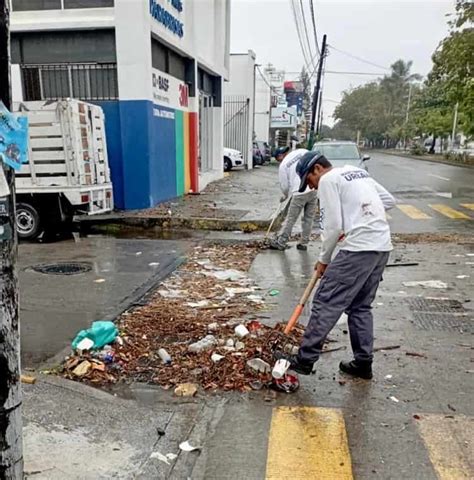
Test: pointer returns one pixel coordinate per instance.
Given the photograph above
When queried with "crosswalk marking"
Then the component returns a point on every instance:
(413, 212)
(469, 206)
(308, 443)
(449, 444)
(449, 212)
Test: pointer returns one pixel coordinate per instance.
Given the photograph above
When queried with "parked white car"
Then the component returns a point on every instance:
(232, 158)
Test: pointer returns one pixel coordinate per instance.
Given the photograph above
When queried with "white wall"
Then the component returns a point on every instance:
(262, 109)
(242, 82)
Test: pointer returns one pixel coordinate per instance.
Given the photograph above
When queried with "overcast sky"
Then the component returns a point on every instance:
(380, 31)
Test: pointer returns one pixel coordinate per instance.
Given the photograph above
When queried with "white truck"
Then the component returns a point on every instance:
(67, 171)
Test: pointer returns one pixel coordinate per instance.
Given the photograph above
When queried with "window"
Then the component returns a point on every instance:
(168, 61)
(25, 5)
(29, 5)
(81, 81)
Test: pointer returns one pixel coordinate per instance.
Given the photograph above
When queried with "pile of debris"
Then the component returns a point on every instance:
(203, 326)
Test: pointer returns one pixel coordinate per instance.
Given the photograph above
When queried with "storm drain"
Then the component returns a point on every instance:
(63, 268)
(441, 315)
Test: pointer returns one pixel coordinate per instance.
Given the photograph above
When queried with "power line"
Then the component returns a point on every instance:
(300, 36)
(303, 14)
(314, 27)
(272, 88)
(335, 72)
(363, 60)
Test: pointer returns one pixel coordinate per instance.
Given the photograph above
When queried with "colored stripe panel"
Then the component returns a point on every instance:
(469, 206)
(308, 443)
(413, 212)
(449, 444)
(193, 152)
(179, 133)
(187, 173)
(449, 212)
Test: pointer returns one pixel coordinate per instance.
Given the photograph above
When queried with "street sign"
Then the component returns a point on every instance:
(283, 117)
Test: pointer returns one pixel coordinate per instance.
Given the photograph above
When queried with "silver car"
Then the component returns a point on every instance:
(342, 153)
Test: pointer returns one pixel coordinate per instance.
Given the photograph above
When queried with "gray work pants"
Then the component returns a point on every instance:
(349, 285)
(306, 203)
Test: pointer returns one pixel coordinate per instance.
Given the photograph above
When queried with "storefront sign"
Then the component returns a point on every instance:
(169, 91)
(160, 13)
(283, 117)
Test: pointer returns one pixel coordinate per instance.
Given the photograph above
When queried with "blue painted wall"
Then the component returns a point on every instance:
(142, 153)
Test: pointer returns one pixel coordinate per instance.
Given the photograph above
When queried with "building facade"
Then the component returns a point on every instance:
(156, 67)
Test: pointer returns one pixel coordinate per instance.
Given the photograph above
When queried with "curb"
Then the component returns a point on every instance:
(114, 223)
(415, 157)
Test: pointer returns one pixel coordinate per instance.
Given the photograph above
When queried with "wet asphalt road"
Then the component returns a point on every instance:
(53, 308)
(431, 197)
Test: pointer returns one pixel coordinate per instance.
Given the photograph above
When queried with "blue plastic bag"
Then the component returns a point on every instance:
(101, 333)
(13, 138)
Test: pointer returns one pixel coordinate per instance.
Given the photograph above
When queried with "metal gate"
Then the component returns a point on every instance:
(236, 124)
(205, 131)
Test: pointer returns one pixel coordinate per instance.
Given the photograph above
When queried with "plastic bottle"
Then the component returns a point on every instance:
(165, 356)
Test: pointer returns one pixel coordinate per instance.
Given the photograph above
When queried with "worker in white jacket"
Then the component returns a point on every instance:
(352, 209)
(301, 202)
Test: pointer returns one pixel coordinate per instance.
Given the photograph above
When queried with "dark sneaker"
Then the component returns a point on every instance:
(276, 245)
(357, 369)
(295, 364)
(302, 247)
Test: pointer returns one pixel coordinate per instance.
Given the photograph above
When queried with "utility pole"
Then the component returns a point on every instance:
(11, 448)
(317, 89)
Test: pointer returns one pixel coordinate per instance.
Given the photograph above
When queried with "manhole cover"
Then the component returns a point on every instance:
(440, 314)
(63, 268)
(435, 305)
(445, 322)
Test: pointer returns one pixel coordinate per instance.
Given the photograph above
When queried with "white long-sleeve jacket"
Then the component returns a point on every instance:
(353, 203)
(289, 179)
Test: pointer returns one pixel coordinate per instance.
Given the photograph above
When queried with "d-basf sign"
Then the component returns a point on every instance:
(169, 91)
(283, 117)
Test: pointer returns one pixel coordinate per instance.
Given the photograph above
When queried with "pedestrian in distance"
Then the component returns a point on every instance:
(304, 203)
(353, 204)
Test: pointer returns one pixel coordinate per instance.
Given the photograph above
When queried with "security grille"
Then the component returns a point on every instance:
(87, 82)
(236, 124)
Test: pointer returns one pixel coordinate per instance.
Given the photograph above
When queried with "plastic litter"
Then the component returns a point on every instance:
(241, 331)
(172, 293)
(99, 280)
(205, 343)
(280, 368)
(274, 292)
(388, 377)
(215, 357)
(200, 304)
(164, 458)
(101, 333)
(394, 399)
(288, 384)
(239, 345)
(231, 274)
(255, 298)
(230, 343)
(85, 344)
(258, 365)
(426, 284)
(238, 290)
(165, 356)
(462, 276)
(187, 447)
(82, 369)
(153, 264)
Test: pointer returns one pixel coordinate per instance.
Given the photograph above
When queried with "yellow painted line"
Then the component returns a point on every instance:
(413, 212)
(449, 444)
(308, 443)
(469, 206)
(449, 212)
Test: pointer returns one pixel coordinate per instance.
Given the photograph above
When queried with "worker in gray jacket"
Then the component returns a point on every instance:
(301, 202)
(352, 210)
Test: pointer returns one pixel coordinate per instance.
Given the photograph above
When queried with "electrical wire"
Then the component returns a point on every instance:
(308, 42)
(353, 73)
(272, 88)
(318, 50)
(363, 60)
(300, 36)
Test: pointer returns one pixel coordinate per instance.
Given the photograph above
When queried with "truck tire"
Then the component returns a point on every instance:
(227, 164)
(28, 221)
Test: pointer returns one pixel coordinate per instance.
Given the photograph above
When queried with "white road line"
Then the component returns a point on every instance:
(438, 176)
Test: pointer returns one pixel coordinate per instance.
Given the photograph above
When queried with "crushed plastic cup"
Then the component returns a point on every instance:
(165, 356)
(280, 368)
(241, 331)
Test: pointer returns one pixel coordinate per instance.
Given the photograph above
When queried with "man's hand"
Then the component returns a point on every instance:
(320, 268)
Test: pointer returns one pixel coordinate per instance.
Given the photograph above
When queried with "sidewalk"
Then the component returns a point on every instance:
(243, 201)
(426, 158)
